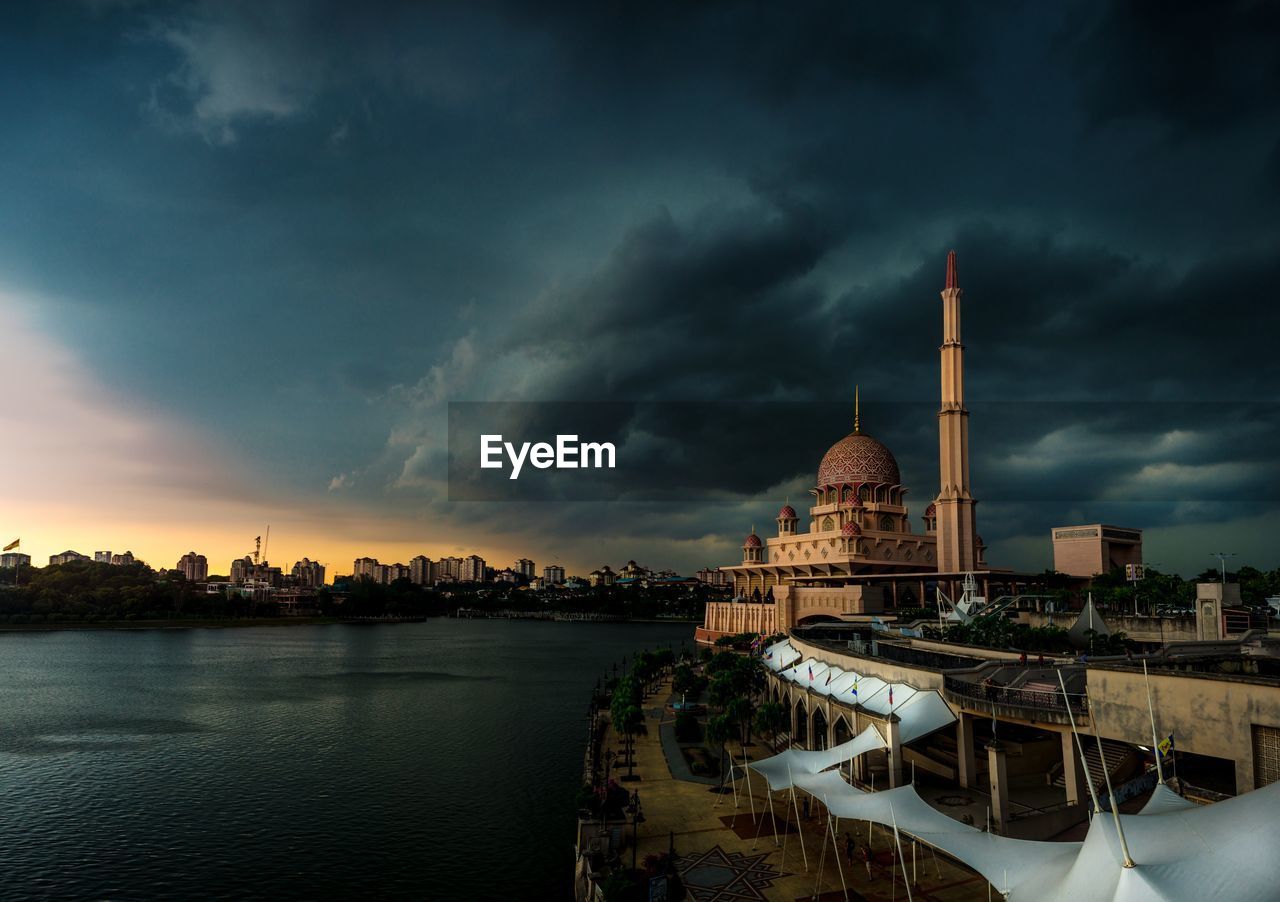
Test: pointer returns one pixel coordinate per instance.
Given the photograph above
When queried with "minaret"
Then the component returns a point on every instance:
(957, 551)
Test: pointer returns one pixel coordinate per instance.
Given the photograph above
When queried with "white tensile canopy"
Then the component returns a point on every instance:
(782, 770)
(1181, 850)
(1194, 852)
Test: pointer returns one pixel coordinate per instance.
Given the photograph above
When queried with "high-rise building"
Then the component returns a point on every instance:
(365, 567)
(448, 569)
(526, 568)
(308, 574)
(195, 567)
(66, 558)
(241, 570)
(420, 571)
(713, 576)
(11, 559)
(393, 572)
(102, 557)
(472, 569)
(120, 560)
(552, 575)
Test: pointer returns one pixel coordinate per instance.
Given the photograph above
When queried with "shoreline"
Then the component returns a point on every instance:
(214, 623)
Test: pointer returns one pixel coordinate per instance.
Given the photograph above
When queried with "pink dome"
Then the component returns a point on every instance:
(858, 458)
(787, 513)
(753, 541)
(851, 529)
(931, 510)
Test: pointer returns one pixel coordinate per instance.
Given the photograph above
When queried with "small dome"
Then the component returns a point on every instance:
(858, 458)
(851, 529)
(752, 541)
(931, 510)
(787, 513)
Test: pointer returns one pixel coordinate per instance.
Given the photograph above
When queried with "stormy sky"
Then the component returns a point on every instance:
(250, 252)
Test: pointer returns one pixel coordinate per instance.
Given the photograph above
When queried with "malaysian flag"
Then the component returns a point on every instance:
(810, 673)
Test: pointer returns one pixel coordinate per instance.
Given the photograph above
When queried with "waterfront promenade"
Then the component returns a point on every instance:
(720, 858)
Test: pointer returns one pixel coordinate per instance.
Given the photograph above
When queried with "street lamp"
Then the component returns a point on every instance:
(1222, 560)
(637, 818)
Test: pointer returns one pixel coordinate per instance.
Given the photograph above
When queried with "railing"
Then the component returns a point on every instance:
(1039, 699)
(933, 660)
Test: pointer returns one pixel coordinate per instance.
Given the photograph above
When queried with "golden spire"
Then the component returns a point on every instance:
(855, 408)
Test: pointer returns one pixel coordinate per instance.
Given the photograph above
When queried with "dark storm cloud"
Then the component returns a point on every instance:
(1197, 66)
(310, 226)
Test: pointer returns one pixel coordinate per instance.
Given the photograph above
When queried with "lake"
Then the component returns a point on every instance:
(425, 760)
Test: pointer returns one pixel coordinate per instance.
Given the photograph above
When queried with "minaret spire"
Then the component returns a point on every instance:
(856, 425)
(956, 528)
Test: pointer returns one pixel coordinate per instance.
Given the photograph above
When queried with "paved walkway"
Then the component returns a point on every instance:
(723, 859)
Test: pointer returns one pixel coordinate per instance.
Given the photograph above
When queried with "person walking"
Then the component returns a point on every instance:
(849, 847)
(864, 852)
(806, 808)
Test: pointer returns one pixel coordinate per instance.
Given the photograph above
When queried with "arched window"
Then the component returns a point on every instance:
(886, 524)
(828, 524)
(848, 493)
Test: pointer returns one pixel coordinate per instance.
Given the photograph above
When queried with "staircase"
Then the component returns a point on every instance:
(1120, 759)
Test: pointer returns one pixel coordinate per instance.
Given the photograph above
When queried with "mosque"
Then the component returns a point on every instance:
(858, 551)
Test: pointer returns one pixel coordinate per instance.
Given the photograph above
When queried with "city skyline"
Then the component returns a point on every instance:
(286, 254)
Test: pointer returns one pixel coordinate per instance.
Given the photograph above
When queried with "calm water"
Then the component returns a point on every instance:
(434, 760)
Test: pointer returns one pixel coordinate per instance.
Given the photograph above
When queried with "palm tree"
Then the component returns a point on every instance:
(719, 731)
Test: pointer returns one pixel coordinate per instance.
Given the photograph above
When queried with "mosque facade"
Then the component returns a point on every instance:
(858, 544)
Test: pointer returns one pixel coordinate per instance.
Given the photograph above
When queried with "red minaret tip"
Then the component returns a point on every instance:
(952, 280)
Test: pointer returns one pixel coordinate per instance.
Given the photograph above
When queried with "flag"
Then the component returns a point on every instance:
(855, 687)
(828, 682)
(1166, 745)
(890, 696)
(768, 654)
(12, 545)
(810, 673)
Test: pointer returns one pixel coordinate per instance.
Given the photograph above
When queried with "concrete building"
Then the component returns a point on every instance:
(308, 574)
(526, 568)
(472, 569)
(11, 559)
(420, 572)
(712, 576)
(66, 557)
(102, 557)
(1096, 548)
(121, 560)
(365, 567)
(602, 577)
(552, 575)
(194, 567)
(448, 569)
(241, 570)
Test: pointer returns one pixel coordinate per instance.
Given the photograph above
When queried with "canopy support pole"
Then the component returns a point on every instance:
(835, 846)
(1115, 807)
(822, 860)
(1155, 740)
(795, 803)
(1088, 777)
(746, 768)
(897, 838)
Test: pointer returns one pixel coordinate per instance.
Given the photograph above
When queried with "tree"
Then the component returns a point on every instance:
(720, 730)
(771, 719)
